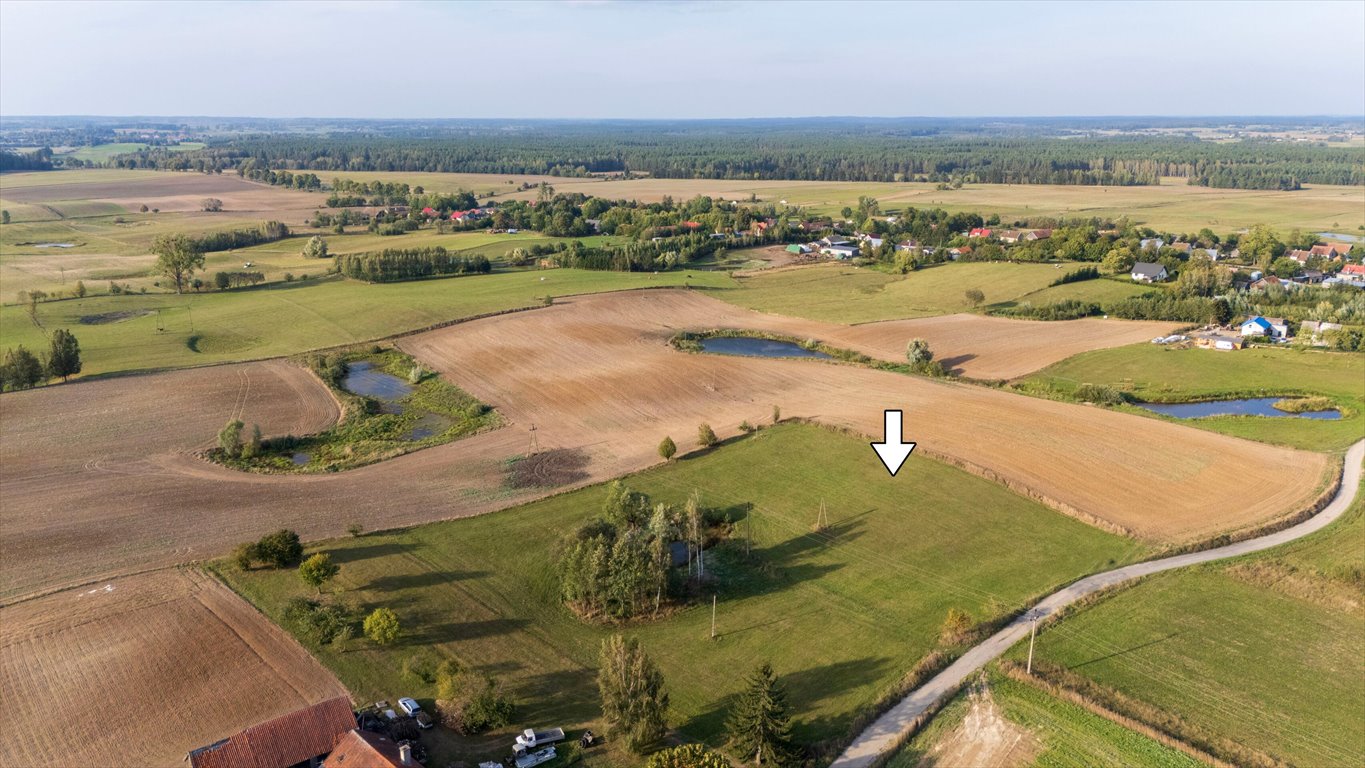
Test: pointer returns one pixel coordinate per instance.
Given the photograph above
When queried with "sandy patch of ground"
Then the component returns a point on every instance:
(984, 739)
(140, 670)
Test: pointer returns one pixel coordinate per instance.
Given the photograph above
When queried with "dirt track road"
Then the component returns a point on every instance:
(884, 734)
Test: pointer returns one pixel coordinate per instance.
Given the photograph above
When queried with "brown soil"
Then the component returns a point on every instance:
(140, 670)
(549, 469)
(985, 739)
(99, 478)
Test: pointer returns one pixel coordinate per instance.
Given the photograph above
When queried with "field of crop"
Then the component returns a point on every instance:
(1018, 724)
(1154, 373)
(1102, 292)
(838, 293)
(842, 614)
(138, 671)
(1264, 652)
(595, 374)
(1174, 206)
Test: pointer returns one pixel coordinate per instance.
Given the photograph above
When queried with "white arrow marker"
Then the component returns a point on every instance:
(892, 451)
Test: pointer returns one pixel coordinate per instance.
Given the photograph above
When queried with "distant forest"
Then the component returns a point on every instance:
(1037, 151)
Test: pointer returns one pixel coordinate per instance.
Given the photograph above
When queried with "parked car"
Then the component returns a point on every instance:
(409, 706)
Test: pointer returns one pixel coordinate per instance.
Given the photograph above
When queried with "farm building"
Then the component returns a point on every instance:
(798, 248)
(303, 737)
(1148, 272)
(842, 250)
(1217, 340)
(1274, 327)
(362, 749)
(1314, 329)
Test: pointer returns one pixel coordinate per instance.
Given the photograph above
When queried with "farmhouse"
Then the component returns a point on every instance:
(1182, 247)
(1353, 269)
(1274, 327)
(1148, 272)
(1300, 256)
(1036, 234)
(1009, 236)
(1329, 251)
(301, 737)
(979, 232)
(363, 749)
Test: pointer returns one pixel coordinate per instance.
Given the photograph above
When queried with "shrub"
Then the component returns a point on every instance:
(1099, 393)
(281, 549)
(477, 704)
(420, 667)
(746, 427)
(687, 756)
(1076, 276)
(956, 625)
(706, 436)
(318, 570)
(230, 439)
(355, 529)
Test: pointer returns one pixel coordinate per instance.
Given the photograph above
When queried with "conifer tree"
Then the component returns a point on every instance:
(758, 725)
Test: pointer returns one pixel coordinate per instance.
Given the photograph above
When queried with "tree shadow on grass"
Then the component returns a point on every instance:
(444, 632)
(559, 696)
(344, 555)
(420, 580)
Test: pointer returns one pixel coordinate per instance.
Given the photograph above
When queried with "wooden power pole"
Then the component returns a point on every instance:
(713, 617)
(1032, 633)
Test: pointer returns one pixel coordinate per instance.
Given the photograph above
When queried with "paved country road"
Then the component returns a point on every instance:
(884, 734)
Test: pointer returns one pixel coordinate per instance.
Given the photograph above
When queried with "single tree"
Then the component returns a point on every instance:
(316, 248)
(706, 436)
(634, 701)
(252, 447)
(212, 204)
(381, 626)
(667, 448)
(281, 549)
(318, 570)
(222, 281)
(64, 357)
(79, 290)
(777, 414)
(758, 725)
(177, 257)
(917, 352)
(21, 369)
(687, 756)
(4, 217)
(974, 296)
(230, 439)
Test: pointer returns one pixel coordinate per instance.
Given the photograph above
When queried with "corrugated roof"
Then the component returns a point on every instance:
(282, 742)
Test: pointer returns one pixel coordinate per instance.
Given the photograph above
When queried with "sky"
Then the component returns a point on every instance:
(377, 59)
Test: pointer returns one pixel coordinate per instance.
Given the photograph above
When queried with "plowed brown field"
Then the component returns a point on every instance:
(139, 671)
(95, 478)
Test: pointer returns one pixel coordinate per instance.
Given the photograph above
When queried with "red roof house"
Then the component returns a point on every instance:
(1353, 269)
(362, 749)
(287, 740)
(428, 211)
(979, 232)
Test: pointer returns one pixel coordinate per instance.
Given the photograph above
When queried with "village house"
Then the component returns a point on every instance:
(979, 232)
(1310, 277)
(1353, 269)
(1010, 236)
(1274, 327)
(1314, 329)
(872, 240)
(363, 749)
(1182, 247)
(1148, 272)
(302, 737)
(1036, 234)
(841, 250)
(1329, 251)
(1298, 255)
(1151, 243)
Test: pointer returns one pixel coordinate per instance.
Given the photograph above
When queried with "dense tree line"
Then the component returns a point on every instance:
(397, 264)
(39, 160)
(268, 232)
(830, 153)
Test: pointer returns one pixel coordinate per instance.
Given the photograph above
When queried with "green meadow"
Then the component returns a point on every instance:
(842, 613)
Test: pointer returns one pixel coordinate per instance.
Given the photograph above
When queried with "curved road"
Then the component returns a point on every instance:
(884, 734)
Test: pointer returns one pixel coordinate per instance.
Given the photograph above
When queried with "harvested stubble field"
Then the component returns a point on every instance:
(594, 373)
(174, 658)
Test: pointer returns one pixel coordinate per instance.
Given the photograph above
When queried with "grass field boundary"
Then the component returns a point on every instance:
(1012, 670)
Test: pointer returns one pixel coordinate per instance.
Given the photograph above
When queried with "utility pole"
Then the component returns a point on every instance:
(535, 442)
(713, 617)
(1032, 633)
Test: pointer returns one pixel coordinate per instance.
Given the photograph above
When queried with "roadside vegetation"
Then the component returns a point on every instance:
(842, 608)
(1255, 660)
(411, 408)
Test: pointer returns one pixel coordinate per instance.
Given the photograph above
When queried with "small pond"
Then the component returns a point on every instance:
(54, 245)
(429, 425)
(362, 379)
(749, 346)
(1254, 406)
(300, 459)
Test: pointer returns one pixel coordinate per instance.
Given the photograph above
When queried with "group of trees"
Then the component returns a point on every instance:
(620, 564)
(280, 549)
(398, 264)
(267, 232)
(22, 369)
(635, 705)
(836, 151)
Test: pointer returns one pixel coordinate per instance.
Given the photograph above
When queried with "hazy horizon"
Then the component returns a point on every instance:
(682, 60)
